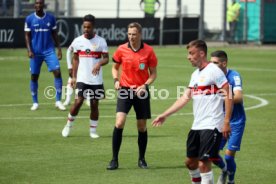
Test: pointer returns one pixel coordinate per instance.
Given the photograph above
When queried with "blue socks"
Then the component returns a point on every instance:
(58, 86)
(231, 167)
(33, 88)
(220, 163)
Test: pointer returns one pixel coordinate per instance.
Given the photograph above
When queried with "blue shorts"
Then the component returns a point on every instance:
(234, 141)
(50, 59)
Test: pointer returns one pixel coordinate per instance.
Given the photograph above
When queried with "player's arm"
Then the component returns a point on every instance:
(178, 104)
(228, 103)
(102, 62)
(69, 60)
(238, 96)
(75, 69)
(152, 76)
(115, 75)
(28, 44)
(55, 37)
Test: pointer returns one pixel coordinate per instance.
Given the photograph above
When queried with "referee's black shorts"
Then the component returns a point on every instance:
(203, 144)
(127, 98)
(90, 91)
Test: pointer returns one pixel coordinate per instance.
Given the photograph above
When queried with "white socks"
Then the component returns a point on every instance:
(70, 120)
(207, 178)
(93, 126)
(195, 176)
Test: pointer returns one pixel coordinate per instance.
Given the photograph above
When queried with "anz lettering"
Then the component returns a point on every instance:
(6, 35)
(148, 33)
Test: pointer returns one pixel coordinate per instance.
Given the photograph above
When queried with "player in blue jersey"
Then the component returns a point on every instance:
(40, 35)
(237, 122)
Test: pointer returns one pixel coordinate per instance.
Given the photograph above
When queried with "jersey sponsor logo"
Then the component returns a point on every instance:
(87, 51)
(41, 30)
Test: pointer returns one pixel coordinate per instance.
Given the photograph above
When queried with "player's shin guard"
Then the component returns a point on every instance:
(58, 86)
(33, 88)
(231, 167)
(142, 143)
(220, 163)
(207, 178)
(195, 176)
(116, 142)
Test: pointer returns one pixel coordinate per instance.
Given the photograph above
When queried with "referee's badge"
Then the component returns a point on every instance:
(142, 66)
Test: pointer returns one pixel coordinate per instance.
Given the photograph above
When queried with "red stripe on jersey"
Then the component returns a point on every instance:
(196, 179)
(206, 90)
(92, 54)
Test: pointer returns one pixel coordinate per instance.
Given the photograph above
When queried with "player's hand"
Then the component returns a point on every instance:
(73, 82)
(158, 121)
(117, 85)
(141, 90)
(96, 69)
(59, 54)
(30, 54)
(226, 130)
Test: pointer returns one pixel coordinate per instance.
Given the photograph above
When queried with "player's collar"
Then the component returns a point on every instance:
(39, 16)
(141, 46)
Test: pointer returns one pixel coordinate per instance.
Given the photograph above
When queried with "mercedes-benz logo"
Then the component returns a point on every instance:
(63, 31)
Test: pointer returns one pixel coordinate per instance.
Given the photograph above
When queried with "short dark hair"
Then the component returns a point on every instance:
(136, 25)
(220, 54)
(199, 44)
(89, 18)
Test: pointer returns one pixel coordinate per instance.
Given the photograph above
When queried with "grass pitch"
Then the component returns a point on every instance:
(32, 150)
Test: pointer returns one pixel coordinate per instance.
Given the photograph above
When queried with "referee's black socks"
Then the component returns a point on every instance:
(142, 143)
(116, 142)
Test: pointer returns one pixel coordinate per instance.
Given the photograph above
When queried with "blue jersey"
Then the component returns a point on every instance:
(238, 114)
(41, 32)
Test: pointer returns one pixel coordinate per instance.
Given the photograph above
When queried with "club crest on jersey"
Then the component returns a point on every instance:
(87, 51)
(94, 46)
(48, 24)
(142, 66)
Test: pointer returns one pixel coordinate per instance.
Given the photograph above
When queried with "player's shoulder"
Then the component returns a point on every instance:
(50, 15)
(99, 37)
(30, 16)
(147, 46)
(233, 72)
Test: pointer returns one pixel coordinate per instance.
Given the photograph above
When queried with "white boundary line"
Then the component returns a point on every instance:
(263, 102)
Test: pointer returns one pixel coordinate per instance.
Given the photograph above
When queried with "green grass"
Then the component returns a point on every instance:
(33, 151)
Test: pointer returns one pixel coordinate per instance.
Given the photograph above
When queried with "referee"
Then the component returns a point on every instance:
(138, 71)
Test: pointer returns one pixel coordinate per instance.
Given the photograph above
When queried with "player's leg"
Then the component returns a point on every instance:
(97, 93)
(142, 108)
(209, 148)
(69, 92)
(54, 66)
(58, 86)
(192, 156)
(80, 87)
(221, 164)
(124, 104)
(35, 65)
(94, 117)
(234, 143)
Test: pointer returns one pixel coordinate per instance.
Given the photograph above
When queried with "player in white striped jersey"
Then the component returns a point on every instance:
(90, 54)
(205, 87)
